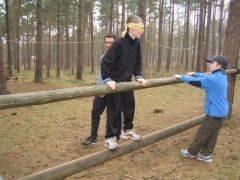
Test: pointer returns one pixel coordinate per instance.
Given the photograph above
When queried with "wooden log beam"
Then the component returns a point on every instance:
(44, 97)
(75, 166)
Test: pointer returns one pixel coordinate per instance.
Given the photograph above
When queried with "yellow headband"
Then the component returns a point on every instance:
(136, 26)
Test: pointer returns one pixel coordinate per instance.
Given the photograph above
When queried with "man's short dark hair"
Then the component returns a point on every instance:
(110, 36)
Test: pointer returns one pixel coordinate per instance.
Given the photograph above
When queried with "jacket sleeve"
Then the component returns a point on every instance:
(138, 65)
(199, 74)
(108, 61)
(202, 82)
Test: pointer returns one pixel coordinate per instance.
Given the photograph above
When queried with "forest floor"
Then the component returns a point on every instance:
(37, 137)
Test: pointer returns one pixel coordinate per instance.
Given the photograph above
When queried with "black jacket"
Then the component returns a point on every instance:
(122, 60)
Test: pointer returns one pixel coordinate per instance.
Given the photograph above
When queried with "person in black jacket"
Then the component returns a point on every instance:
(122, 61)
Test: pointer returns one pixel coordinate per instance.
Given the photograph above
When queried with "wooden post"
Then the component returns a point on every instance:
(75, 166)
(232, 46)
(43, 97)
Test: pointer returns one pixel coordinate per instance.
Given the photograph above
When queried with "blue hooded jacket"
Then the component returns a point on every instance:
(215, 85)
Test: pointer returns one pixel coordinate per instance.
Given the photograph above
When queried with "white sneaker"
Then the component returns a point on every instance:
(207, 159)
(130, 134)
(111, 143)
(186, 154)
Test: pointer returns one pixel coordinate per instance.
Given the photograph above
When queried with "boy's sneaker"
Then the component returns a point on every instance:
(207, 159)
(130, 134)
(111, 143)
(186, 154)
(90, 140)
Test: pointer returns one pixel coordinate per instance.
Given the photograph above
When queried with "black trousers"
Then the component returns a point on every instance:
(206, 137)
(116, 103)
(99, 105)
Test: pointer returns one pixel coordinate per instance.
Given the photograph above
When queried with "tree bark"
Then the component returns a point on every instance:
(200, 38)
(91, 36)
(232, 45)
(9, 58)
(58, 42)
(220, 29)
(206, 49)
(3, 83)
(170, 40)
(38, 71)
(160, 38)
(187, 35)
(214, 31)
(142, 14)
(123, 16)
(49, 62)
(110, 28)
(80, 36)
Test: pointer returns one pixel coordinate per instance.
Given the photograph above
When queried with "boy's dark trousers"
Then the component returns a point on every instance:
(117, 103)
(99, 105)
(206, 137)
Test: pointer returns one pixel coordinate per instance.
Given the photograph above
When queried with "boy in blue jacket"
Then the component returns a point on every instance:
(215, 84)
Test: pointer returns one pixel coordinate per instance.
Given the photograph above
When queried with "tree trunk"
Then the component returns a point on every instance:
(160, 38)
(206, 49)
(3, 83)
(187, 35)
(183, 39)
(80, 36)
(9, 58)
(220, 29)
(214, 30)
(195, 40)
(170, 41)
(28, 47)
(17, 50)
(38, 70)
(232, 45)
(49, 50)
(200, 38)
(142, 14)
(91, 36)
(123, 16)
(67, 55)
(73, 51)
(58, 42)
(110, 29)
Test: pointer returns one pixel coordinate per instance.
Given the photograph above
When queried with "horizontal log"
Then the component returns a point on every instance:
(75, 166)
(43, 97)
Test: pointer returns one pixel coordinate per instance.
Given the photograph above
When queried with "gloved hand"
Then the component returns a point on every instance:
(142, 81)
(178, 76)
(111, 84)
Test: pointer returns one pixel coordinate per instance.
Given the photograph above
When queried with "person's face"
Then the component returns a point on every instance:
(212, 66)
(108, 43)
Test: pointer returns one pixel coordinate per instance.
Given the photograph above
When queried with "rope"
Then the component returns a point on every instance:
(61, 42)
(86, 42)
(178, 49)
